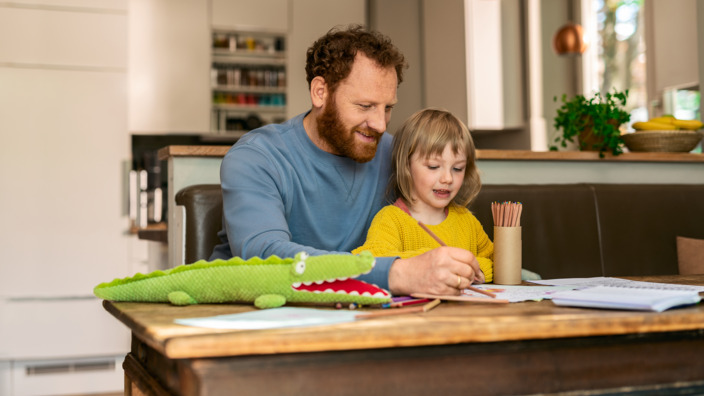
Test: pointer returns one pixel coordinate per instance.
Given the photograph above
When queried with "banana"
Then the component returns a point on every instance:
(652, 126)
(663, 119)
(687, 124)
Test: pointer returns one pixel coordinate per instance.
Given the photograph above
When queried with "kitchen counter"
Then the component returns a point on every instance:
(506, 155)
(189, 165)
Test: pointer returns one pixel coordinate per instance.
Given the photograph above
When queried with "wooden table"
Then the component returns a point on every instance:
(457, 348)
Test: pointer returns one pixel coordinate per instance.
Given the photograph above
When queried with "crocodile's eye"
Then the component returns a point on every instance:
(300, 267)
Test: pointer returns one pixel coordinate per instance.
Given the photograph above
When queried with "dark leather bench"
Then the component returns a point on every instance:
(203, 220)
(568, 230)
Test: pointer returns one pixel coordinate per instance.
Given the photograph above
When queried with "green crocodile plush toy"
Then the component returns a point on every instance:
(269, 283)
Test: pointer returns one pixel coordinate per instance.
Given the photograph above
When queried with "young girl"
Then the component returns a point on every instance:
(434, 177)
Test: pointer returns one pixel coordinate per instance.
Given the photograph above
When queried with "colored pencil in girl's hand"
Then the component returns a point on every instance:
(432, 234)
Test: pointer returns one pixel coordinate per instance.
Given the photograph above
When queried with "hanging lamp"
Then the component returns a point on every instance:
(569, 39)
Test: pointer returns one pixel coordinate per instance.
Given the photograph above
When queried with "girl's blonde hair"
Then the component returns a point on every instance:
(427, 133)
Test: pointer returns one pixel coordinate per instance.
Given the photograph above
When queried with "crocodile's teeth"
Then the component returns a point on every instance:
(330, 280)
(379, 294)
(341, 292)
(320, 282)
(342, 279)
(329, 291)
(366, 294)
(354, 293)
(307, 283)
(296, 284)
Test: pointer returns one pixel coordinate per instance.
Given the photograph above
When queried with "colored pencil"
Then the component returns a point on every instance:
(400, 311)
(461, 298)
(406, 303)
(432, 234)
(507, 214)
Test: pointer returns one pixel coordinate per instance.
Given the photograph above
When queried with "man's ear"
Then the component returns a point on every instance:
(318, 92)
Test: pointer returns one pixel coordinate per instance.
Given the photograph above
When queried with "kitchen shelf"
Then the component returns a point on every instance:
(249, 89)
(249, 58)
(250, 108)
(248, 80)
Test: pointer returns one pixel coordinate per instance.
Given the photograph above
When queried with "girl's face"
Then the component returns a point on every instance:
(436, 180)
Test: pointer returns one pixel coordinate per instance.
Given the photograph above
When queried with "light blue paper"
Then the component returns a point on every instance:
(272, 319)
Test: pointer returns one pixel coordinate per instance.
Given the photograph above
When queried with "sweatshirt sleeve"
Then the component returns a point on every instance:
(254, 216)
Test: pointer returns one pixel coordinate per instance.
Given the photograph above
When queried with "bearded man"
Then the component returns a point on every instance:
(315, 182)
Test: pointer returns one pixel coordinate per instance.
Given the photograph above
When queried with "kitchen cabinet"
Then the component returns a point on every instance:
(671, 40)
(63, 112)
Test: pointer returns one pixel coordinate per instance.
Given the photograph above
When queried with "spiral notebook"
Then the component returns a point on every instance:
(626, 298)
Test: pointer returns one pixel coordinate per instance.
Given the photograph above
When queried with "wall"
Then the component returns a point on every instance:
(169, 66)
(432, 34)
(559, 73)
(310, 19)
(402, 21)
(700, 49)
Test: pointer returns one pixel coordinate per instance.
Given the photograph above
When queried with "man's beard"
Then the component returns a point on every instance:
(333, 132)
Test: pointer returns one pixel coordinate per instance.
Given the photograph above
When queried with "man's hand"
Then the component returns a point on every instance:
(444, 270)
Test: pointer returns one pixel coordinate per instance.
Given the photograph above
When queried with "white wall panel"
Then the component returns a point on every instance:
(94, 5)
(59, 38)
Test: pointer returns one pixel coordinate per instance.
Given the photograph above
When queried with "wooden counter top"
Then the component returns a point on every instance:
(449, 323)
(504, 155)
(192, 151)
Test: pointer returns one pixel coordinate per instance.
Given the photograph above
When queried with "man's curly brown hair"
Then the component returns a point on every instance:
(332, 55)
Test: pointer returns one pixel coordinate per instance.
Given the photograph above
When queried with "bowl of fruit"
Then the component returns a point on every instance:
(664, 134)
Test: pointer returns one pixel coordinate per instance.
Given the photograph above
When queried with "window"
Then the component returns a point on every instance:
(683, 102)
(616, 56)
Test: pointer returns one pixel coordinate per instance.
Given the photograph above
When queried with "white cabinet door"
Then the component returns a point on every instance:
(64, 143)
(673, 43)
(169, 66)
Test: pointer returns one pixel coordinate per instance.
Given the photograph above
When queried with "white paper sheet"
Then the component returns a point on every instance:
(618, 282)
(272, 318)
(518, 293)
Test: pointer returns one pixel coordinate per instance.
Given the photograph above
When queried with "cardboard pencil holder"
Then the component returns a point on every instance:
(507, 255)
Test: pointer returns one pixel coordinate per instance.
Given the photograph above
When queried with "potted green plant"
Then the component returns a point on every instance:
(594, 121)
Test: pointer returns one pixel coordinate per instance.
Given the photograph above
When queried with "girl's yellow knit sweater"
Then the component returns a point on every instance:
(393, 232)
